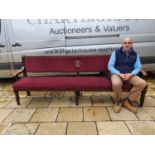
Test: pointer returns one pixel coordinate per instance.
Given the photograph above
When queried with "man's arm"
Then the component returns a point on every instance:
(111, 64)
(137, 66)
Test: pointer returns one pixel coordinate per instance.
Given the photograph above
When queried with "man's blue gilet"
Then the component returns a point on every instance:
(125, 63)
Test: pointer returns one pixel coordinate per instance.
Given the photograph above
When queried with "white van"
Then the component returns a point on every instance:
(20, 37)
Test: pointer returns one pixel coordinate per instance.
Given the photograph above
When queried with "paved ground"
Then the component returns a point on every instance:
(55, 113)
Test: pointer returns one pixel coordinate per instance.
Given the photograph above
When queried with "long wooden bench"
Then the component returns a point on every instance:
(83, 73)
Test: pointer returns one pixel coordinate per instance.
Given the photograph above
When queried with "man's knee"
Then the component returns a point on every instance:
(116, 81)
(142, 83)
(117, 84)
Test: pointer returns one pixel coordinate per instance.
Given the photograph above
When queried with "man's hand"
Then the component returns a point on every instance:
(126, 76)
(122, 76)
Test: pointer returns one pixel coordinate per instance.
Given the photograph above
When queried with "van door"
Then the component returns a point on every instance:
(4, 62)
(34, 37)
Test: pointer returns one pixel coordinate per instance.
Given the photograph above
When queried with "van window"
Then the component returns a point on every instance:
(31, 34)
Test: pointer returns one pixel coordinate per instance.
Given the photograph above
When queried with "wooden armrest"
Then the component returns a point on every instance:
(15, 75)
(144, 73)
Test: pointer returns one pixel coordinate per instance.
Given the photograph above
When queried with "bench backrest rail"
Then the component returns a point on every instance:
(93, 63)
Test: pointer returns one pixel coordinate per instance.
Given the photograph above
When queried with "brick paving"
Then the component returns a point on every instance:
(55, 113)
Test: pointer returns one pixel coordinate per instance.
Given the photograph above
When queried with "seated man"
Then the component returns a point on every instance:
(124, 65)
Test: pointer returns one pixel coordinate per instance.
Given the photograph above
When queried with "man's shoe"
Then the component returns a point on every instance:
(129, 106)
(118, 106)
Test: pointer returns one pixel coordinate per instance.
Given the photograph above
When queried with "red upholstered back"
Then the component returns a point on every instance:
(93, 63)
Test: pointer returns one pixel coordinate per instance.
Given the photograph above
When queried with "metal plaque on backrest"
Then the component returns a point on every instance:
(77, 63)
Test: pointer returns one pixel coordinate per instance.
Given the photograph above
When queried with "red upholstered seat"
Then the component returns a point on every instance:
(81, 83)
(63, 83)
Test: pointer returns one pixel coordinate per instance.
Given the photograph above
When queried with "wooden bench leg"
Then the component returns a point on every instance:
(17, 97)
(142, 97)
(28, 93)
(77, 94)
